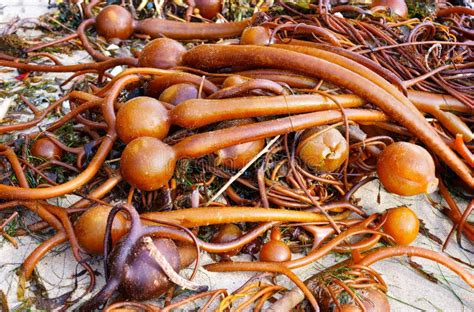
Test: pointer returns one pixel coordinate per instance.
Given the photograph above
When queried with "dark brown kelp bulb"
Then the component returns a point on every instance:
(227, 233)
(46, 149)
(144, 279)
(257, 35)
(142, 116)
(162, 53)
(209, 8)
(113, 22)
(147, 163)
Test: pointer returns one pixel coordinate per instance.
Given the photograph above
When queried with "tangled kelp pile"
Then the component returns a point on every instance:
(340, 92)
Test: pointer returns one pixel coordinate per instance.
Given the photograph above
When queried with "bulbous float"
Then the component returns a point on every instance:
(323, 150)
(114, 22)
(406, 169)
